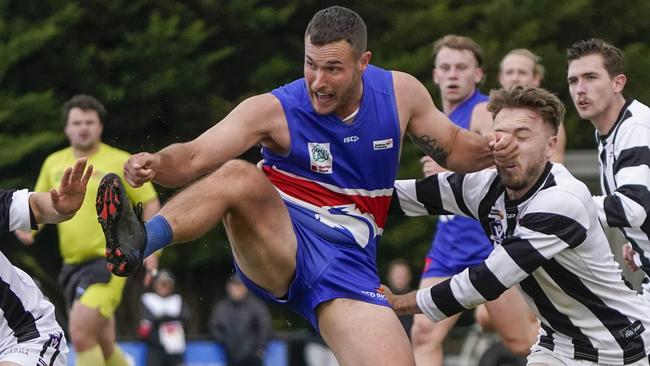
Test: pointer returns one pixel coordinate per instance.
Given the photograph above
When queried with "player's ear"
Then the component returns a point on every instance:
(364, 60)
(619, 83)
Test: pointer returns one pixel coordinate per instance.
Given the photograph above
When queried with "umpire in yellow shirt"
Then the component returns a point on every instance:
(91, 292)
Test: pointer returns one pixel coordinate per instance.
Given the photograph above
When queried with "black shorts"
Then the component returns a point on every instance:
(76, 278)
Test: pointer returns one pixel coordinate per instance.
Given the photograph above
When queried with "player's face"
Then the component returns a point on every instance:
(456, 73)
(83, 129)
(536, 143)
(592, 89)
(333, 77)
(518, 70)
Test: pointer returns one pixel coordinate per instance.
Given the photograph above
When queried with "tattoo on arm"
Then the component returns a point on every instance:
(430, 147)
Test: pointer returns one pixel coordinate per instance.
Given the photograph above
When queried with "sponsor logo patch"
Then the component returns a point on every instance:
(633, 330)
(382, 144)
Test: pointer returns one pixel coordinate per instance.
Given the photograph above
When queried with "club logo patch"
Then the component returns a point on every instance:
(320, 157)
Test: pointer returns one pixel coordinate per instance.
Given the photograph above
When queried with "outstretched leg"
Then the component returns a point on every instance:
(256, 219)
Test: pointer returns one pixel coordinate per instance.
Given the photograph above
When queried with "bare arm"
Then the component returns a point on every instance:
(450, 146)
(257, 119)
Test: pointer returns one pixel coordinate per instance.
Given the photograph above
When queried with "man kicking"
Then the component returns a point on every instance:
(304, 230)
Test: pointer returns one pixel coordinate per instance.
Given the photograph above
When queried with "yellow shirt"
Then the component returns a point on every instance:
(81, 238)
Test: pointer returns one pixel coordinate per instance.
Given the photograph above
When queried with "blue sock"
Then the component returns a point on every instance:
(159, 234)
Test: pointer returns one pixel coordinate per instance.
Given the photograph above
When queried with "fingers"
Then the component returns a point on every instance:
(504, 148)
(491, 139)
(429, 166)
(65, 180)
(138, 170)
(86, 178)
(426, 159)
(78, 169)
(629, 257)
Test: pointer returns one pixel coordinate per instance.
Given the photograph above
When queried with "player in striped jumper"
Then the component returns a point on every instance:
(596, 76)
(548, 242)
(29, 332)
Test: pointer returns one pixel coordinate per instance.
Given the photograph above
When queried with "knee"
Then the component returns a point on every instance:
(518, 345)
(482, 318)
(82, 338)
(236, 176)
(425, 332)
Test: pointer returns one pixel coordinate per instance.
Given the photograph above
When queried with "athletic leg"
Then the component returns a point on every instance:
(256, 219)
(511, 317)
(428, 337)
(363, 334)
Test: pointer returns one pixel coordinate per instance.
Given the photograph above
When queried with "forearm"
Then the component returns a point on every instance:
(43, 210)
(175, 166)
(469, 152)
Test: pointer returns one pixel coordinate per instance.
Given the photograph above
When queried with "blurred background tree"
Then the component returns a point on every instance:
(167, 70)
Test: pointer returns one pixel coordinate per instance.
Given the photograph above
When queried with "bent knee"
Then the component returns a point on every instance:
(236, 169)
(482, 318)
(424, 331)
(519, 346)
(240, 179)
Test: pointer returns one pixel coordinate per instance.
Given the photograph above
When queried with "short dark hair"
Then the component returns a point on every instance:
(461, 43)
(86, 103)
(538, 100)
(613, 58)
(337, 23)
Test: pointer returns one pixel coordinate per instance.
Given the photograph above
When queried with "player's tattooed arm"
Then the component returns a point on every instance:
(431, 147)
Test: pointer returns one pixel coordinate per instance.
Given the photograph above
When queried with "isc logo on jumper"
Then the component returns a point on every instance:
(320, 157)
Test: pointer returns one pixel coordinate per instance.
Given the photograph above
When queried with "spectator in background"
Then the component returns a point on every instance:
(163, 319)
(242, 324)
(521, 67)
(398, 278)
(91, 293)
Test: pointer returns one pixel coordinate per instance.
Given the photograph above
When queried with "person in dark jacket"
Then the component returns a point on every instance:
(241, 323)
(164, 315)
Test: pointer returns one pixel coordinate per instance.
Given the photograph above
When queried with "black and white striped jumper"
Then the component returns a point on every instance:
(551, 245)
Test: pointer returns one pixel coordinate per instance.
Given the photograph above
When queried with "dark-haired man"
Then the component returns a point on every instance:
(304, 230)
(91, 293)
(596, 76)
(548, 242)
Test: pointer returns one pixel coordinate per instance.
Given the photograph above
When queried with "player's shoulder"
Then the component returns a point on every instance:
(562, 191)
(636, 115)
(403, 79)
